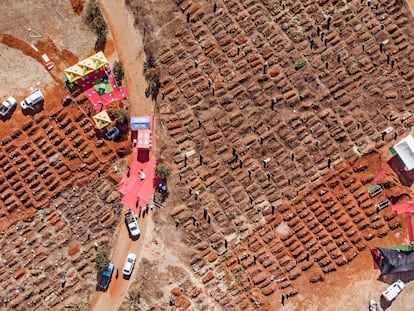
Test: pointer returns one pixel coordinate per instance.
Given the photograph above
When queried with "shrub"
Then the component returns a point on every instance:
(152, 75)
(118, 72)
(99, 26)
(300, 63)
(121, 115)
(135, 299)
(92, 10)
(162, 171)
(102, 260)
(94, 18)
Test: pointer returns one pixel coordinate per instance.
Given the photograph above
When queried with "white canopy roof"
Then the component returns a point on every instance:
(405, 150)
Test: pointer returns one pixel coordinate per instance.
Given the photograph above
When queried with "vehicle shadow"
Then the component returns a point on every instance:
(9, 115)
(134, 238)
(36, 109)
(389, 279)
(385, 304)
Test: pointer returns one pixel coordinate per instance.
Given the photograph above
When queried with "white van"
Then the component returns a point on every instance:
(32, 100)
(7, 106)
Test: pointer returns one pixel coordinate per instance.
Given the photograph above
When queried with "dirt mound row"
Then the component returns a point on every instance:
(49, 153)
(48, 262)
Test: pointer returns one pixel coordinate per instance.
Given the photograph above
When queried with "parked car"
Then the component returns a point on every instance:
(129, 264)
(48, 63)
(106, 277)
(33, 99)
(132, 224)
(112, 133)
(7, 106)
(393, 290)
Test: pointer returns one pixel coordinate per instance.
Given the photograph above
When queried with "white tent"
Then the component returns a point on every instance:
(405, 150)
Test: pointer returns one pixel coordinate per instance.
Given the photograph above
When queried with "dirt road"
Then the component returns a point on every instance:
(130, 50)
(411, 6)
(118, 288)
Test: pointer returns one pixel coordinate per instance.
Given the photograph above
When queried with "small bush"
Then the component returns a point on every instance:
(92, 10)
(94, 18)
(102, 260)
(118, 72)
(152, 76)
(99, 25)
(121, 115)
(162, 171)
(300, 63)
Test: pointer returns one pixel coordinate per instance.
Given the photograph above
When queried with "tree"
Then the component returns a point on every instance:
(118, 72)
(96, 22)
(162, 171)
(99, 25)
(102, 260)
(152, 75)
(121, 115)
(92, 10)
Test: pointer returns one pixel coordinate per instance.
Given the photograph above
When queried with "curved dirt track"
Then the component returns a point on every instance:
(130, 50)
(410, 4)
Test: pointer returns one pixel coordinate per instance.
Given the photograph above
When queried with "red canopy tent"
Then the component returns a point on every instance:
(144, 144)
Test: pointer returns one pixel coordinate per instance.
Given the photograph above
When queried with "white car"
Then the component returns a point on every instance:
(129, 264)
(393, 290)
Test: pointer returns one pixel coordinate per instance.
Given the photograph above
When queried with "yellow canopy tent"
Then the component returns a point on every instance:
(83, 67)
(102, 119)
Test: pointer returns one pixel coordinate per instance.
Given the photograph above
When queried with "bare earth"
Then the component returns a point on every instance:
(130, 51)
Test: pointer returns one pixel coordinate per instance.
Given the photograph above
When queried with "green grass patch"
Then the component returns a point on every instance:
(300, 63)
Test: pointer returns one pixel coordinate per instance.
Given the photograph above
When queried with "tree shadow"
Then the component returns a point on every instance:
(100, 42)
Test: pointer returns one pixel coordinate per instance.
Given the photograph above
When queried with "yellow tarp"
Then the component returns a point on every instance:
(102, 119)
(85, 66)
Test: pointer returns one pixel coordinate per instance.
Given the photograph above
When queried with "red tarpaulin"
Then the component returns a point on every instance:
(132, 187)
(403, 207)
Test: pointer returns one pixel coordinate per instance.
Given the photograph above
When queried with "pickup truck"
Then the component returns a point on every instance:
(32, 100)
(132, 224)
(106, 276)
